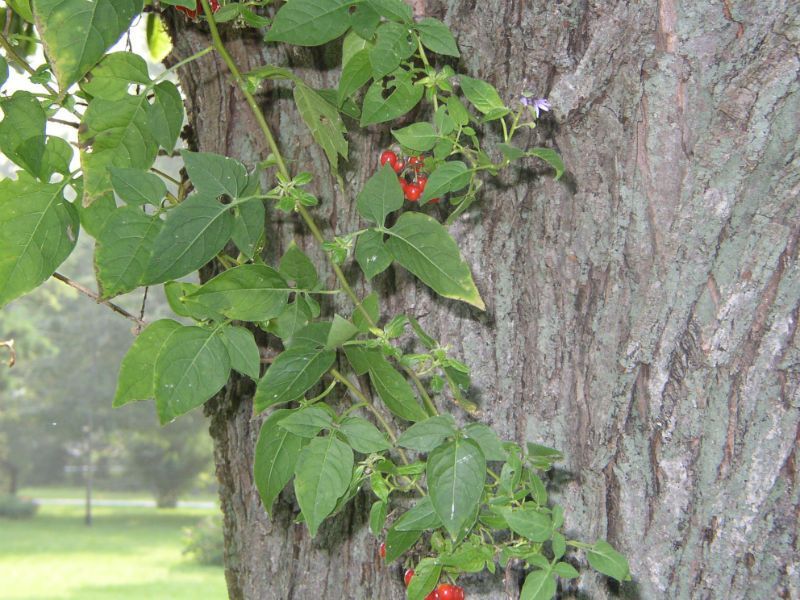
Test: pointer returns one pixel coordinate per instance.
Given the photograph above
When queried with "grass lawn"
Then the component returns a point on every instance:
(127, 554)
(100, 494)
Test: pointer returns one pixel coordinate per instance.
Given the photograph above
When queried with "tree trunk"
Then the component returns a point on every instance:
(641, 313)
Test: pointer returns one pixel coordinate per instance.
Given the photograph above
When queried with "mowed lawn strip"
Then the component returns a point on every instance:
(128, 553)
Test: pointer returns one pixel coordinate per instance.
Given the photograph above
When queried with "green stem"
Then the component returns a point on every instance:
(364, 400)
(178, 65)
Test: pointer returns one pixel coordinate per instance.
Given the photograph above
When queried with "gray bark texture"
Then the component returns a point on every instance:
(641, 313)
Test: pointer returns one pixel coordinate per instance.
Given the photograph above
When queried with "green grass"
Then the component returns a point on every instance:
(127, 554)
(100, 494)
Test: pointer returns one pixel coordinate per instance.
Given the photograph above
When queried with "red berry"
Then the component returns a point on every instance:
(198, 9)
(399, 166)
(448, 592)
(434, 201)
(382, 551)
(422, 181)
(388, 156)
(415, 161)
(407, 577)
(413, 192)
(434, 595)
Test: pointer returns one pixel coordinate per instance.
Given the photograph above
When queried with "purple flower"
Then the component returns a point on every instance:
(536, 104)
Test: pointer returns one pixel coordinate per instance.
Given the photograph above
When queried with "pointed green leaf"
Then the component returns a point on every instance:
(566, 570)
(369, 305)
(377, 517)
(387, 100)
(246, 293)
(398, 542)
(341, 331)
(483, 96)
(57, 158)
(451, 176)
(296, 266)
(437, 37)
(242, 350)
(191, 367)
(307, 422)
(159, 44)
(292, 374)
(38, 230)
(529, 522)
(420, 137)
(363, 436)
(393, 388)
(394, 44)
(371, 253)
(214, 174)
(323, 121)
(419, 518)
(276, 454)
(137, 187)
(426, 435)
(22, 129)
(322, 475)
(456, 474)
(123, 251)
(76, 33)
(166, 115)
(293, 318)
(177, 292)
(310, 22)
(487, 439)
(356, 72)
(380, 196)
(114, 75)
(136, 379)
(248, 227)
(551, 157)
(604, 558)
(193, 233)
(423, 246)
(539, 585)
(394, 10)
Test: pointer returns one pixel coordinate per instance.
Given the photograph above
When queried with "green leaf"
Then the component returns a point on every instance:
(539, 585)
(566, 570)
(307, 422)
(355, 73)
(322, 475)
(166, 115)
(246, 293)
(214, 174)
(341, 331)
(137, 187)
(425, 578)
(529, 522)
(77, 33)
(114, 75)
(419, 518)
(276, 454)
(358, 357)
(176, 292)
(365, 20)
(293, 318)
(310, 22)
(543, 457)
(551, 157)
(363, 436)
(428, 434)
(393, 388)
(371, 253)
(191, 367)
(487, 439)
(292, 374)
(314, 335)
(57, 158)
(451, 176)
(137, 371)
(483, 96)
(159, 44)
(114, 133)
(605, 559)
(296, 266)
(248, 227)
(123, 251)
(370, 305)
(38, 230)
(401, 95)
(423, 246)
(397, 542)
(394, 44)
(394, 10)
(3, 71)
(323, 122)
(380, 196)
(511, 152)
(22, 137)
(456, 474)
(437, 37)
(22, 8)
(377, 517)
(242, 350)
(193, 233)
(420, 137)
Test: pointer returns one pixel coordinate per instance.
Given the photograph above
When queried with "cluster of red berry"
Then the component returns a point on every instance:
(192, 14)
(409, 174)
(444, 591)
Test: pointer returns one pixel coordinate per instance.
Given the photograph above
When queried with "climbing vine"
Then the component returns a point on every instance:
(448, 498)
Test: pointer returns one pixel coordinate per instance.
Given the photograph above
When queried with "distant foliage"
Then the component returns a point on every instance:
(14, 507)
(204, 542)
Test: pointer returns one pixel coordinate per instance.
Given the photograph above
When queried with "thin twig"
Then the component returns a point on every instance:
(87, 292)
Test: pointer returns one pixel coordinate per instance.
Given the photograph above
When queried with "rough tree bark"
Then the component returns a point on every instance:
(642, 313)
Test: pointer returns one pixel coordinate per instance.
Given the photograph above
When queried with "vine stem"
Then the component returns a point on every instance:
(219, 46)
(96, 297)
